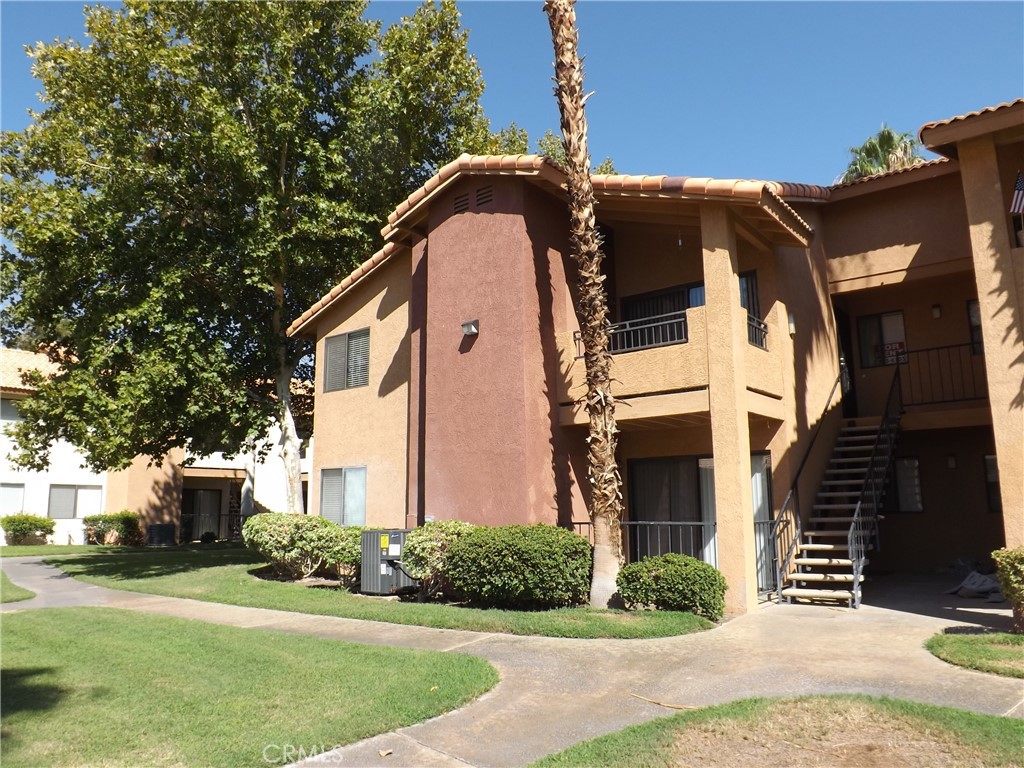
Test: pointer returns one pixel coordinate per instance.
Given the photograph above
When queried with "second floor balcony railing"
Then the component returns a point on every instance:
(645, 333)
(948, 374)
(757, 332)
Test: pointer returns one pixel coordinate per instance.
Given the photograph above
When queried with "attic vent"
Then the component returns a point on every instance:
(462, 203)
(484, 195)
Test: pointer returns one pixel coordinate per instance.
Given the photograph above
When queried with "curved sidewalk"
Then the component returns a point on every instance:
(556, 692)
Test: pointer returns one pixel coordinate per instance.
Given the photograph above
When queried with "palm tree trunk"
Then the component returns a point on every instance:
(606, 496)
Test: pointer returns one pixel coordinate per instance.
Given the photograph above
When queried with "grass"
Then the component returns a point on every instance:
(227, 576)
(11, 592)
(823, 730)
(99, 686)
(997, 652)
(37, 550)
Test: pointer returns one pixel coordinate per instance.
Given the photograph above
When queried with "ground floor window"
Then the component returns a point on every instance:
(995, 501)
(12, 499)
(74, 501)
(343, 495)
(904, 495)
(200, 513)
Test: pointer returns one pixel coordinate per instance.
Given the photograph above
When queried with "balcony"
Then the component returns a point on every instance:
(939, 375)
(645, 333)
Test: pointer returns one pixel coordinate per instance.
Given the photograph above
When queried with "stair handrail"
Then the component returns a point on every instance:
(789, 512)
(875, 476)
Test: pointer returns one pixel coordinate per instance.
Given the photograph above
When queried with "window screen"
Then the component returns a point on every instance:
(347, 363)
(343, 495)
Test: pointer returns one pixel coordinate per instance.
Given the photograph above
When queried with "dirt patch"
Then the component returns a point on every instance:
(820, 733)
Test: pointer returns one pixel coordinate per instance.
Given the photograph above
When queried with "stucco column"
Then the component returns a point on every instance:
(1002, 320)
(730, 435)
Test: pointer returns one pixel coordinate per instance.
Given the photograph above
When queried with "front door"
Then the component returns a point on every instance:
(764, 547)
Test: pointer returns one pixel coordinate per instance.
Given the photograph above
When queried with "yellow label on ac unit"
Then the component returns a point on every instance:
(385, 540)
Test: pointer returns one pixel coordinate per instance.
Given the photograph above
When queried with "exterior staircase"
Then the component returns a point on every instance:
(824, 569)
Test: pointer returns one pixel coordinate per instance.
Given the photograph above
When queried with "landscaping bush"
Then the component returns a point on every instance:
(673, 583)
(26, 529)
(520, 567)
(1010, 572)
(426, 554)
(297, 546)
(122, 528)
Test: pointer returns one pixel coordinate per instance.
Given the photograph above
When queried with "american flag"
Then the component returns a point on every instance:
(1017, 201)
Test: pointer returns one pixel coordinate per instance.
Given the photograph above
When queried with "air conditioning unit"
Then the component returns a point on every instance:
(381, 572)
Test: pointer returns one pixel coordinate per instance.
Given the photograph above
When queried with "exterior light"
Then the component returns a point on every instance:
(951, 461)
(936, 311)
(471, 328)
(792, 324)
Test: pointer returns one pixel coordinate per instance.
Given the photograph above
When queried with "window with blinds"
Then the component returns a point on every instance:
(347, 363)
(70, 501)
(343, 495)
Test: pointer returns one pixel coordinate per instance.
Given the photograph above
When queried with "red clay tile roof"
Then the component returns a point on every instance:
(14, 361)
(969, 115)
(545, 168)
(887, 174)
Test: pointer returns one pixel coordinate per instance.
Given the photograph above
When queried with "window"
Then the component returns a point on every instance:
(748, 294)
(657, 303)
(974, 321)
(74, 501)
(348, 360)
(9, 410)
(905, 493)
(995, 501)
(343, 495)
(882, 340)
(12, 499)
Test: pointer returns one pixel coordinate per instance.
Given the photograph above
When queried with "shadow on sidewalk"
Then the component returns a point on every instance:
(924, 594)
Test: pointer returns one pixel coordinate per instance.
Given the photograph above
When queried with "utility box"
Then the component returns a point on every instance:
(380, 573)
(160, 535)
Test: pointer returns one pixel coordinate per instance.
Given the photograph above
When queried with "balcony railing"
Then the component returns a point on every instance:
(757, 332)
(645, 333)
(644, 538)
(943, 375)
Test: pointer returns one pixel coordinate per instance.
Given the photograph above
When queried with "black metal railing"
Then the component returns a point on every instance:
(785, 529)
(645, 333)
(764, 553)
(647, 538)
(943, 375)
(864, 526)
(757, 332)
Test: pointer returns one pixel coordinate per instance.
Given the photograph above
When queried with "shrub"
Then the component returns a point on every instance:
(426, 553)
(296, 546)
(1010, 571)
(343, 553)
(520, 567)
(26, 529)
(122, 528)
(673, 583)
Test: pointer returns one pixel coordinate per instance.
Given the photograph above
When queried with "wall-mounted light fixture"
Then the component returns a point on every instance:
(951, 461)
(936, 311)
(471, 328)
(792, 323)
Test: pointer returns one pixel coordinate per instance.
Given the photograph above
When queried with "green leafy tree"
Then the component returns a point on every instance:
(887, 150)
(201, 173)
(551, 145)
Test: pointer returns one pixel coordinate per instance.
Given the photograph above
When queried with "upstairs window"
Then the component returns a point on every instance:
(9, 410)
(974, 321)
(882, 340)
(348, 360)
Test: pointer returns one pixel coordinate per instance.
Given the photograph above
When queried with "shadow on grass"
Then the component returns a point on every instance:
(19, 692)
(153, 564)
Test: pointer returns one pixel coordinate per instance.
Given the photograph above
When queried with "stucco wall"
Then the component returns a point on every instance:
(368, 426)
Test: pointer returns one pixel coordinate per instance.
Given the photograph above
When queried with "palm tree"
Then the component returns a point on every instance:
(606, 496)
(886, 151)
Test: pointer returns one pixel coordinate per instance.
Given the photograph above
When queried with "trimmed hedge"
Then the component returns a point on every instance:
(26, 529)
(297, 546)
(1010, 572)
(673, 583)
(122, 528)
(426, 553)
(523, 567)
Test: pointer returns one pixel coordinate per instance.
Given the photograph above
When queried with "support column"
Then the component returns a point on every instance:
(1002, 321)
(730, 432)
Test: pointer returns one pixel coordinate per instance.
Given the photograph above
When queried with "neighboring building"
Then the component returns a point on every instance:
(448, 379)
(211, 494)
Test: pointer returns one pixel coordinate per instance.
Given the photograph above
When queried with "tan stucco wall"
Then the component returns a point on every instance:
(916, 230)
(368, 426)
(151, 491)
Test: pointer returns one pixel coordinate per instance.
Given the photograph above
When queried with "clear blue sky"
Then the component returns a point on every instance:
(766, 90)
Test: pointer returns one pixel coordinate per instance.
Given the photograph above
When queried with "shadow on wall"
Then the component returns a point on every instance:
(1005, 292)
(164, 500)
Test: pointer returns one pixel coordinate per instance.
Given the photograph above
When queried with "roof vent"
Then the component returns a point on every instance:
(462, 203)
(484, 195)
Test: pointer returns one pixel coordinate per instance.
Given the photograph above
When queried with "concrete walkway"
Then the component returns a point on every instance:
(555, 692)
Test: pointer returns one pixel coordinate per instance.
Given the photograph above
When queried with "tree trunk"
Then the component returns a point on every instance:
(290, 444)
(606, 496)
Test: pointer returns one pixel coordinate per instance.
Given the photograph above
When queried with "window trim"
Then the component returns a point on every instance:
(344, 516)
(74, 508)
(338, 344)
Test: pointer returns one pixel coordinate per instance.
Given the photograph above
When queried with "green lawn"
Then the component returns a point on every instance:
(997, 652)
(227, 577)
(98, 686)
(34, 550)
(11, 592)
(823, 731)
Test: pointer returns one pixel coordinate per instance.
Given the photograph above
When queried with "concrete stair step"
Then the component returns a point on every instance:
(844, 520)
(838, 494)
(829, 534)
(847, 461)
(856, 437)
(818, 594)
(823, 577)
(824, 562)
(840, 448)
(835, 506)
(822, 547)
